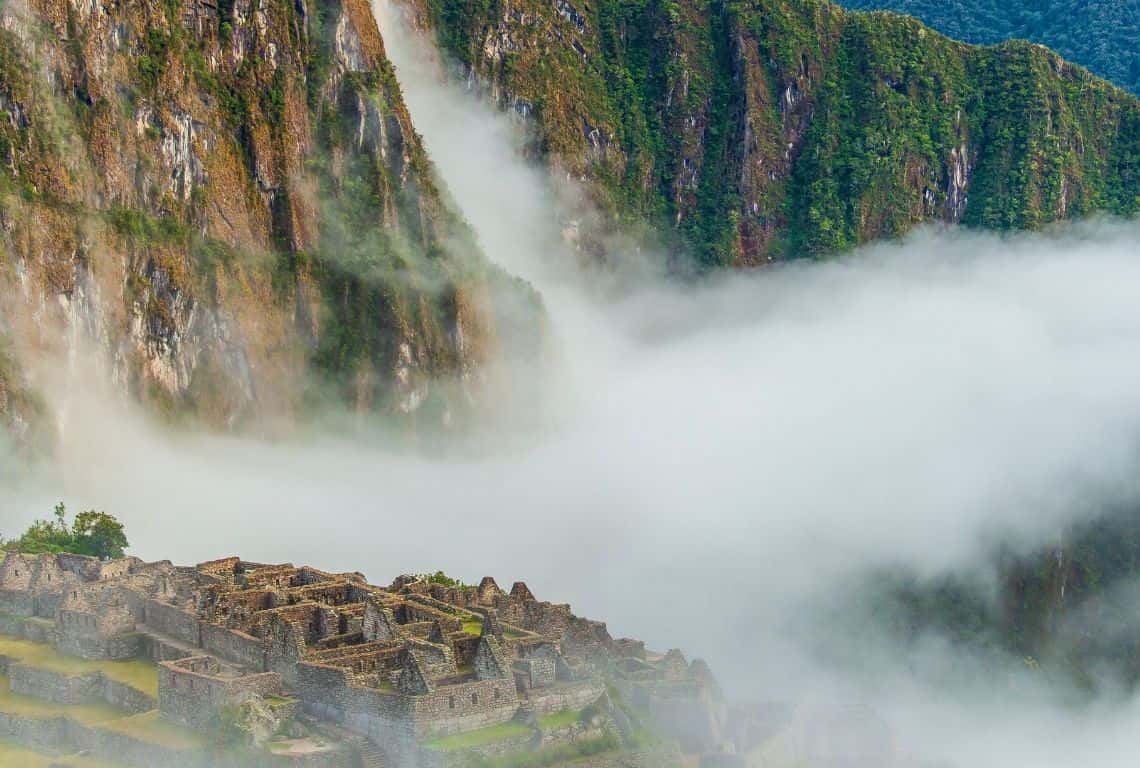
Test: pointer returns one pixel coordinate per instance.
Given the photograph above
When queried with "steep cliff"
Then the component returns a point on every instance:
(227, 205)
(756, 131)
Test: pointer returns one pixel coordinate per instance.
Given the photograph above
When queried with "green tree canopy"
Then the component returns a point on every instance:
(96, 534)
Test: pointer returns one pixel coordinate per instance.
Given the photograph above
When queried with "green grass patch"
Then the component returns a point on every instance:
(563, 719)
(479, 738)
(15, 755)
(151, 728)
(37, 709)
(138, 674)
(473, 627)
(11, 754)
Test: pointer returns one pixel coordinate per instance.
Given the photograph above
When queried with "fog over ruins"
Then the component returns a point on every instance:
(381, 675)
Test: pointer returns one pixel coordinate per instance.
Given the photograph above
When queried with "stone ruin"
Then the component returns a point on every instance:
(396, 666)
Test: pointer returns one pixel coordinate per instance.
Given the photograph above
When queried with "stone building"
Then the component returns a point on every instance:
(398, 665)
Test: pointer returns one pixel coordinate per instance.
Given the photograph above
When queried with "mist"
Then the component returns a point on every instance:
(723, 457)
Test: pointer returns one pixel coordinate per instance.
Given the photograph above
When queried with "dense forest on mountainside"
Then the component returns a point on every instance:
(1103, 35)
(758, 131)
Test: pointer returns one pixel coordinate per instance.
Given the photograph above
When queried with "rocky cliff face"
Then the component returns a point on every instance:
(769, 130)
(227, 202)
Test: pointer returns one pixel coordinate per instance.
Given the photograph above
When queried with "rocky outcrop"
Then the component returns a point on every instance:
(228, 208)
(772, 130)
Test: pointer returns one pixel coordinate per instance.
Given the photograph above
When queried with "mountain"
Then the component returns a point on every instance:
(227, 207)
(1065, 607)
(1103, 35)
(757, 131)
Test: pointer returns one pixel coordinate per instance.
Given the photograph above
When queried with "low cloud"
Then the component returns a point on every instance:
(723, 456)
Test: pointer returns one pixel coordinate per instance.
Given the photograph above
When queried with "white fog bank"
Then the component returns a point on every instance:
(725, 454)
(732, 453)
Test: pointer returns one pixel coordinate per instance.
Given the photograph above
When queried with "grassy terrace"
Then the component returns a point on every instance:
(483, 736)
(29, 707)
(473, 627)
(151, 728)
(140, 675)
(14, 755)
(566, 717)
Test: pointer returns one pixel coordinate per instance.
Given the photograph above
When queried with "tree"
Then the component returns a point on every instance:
(99, 534)
(46, 535)
(96, 534)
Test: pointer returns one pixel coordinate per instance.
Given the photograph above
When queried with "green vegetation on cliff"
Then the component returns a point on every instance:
(1103, 35)
(777, 128)
(234, 200)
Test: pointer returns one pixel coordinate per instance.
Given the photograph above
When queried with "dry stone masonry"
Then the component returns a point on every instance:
(397, 670)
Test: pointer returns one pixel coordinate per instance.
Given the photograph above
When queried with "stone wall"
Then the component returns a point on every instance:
(461, 708)
(42, 735)
(88, 635)
(17, 602)
(54, 686)
(234, 646)
(28, 628)
(171, 620)
(77, 689)
(547, 701)
(127, 698)
(156, 649)
(192, 691)
(61, 735)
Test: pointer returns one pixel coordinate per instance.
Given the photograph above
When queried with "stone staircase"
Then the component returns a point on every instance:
(368, 755)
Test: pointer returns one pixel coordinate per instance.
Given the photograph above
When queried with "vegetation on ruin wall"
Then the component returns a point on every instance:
(888, 101)
(441, 578)
(95, 534)
(1103, 35)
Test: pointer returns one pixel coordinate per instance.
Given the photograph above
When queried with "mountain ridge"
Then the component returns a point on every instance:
(1102, 35)
(756, 132)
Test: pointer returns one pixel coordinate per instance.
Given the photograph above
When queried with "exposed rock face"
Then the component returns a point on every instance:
(22, 414)
(777, 129)
(229, 204)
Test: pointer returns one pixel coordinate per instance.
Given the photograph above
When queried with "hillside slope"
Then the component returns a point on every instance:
(757, 131)
(228, 208)
(1103, 35)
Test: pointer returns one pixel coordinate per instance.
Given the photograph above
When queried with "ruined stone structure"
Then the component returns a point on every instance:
(398, 666)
